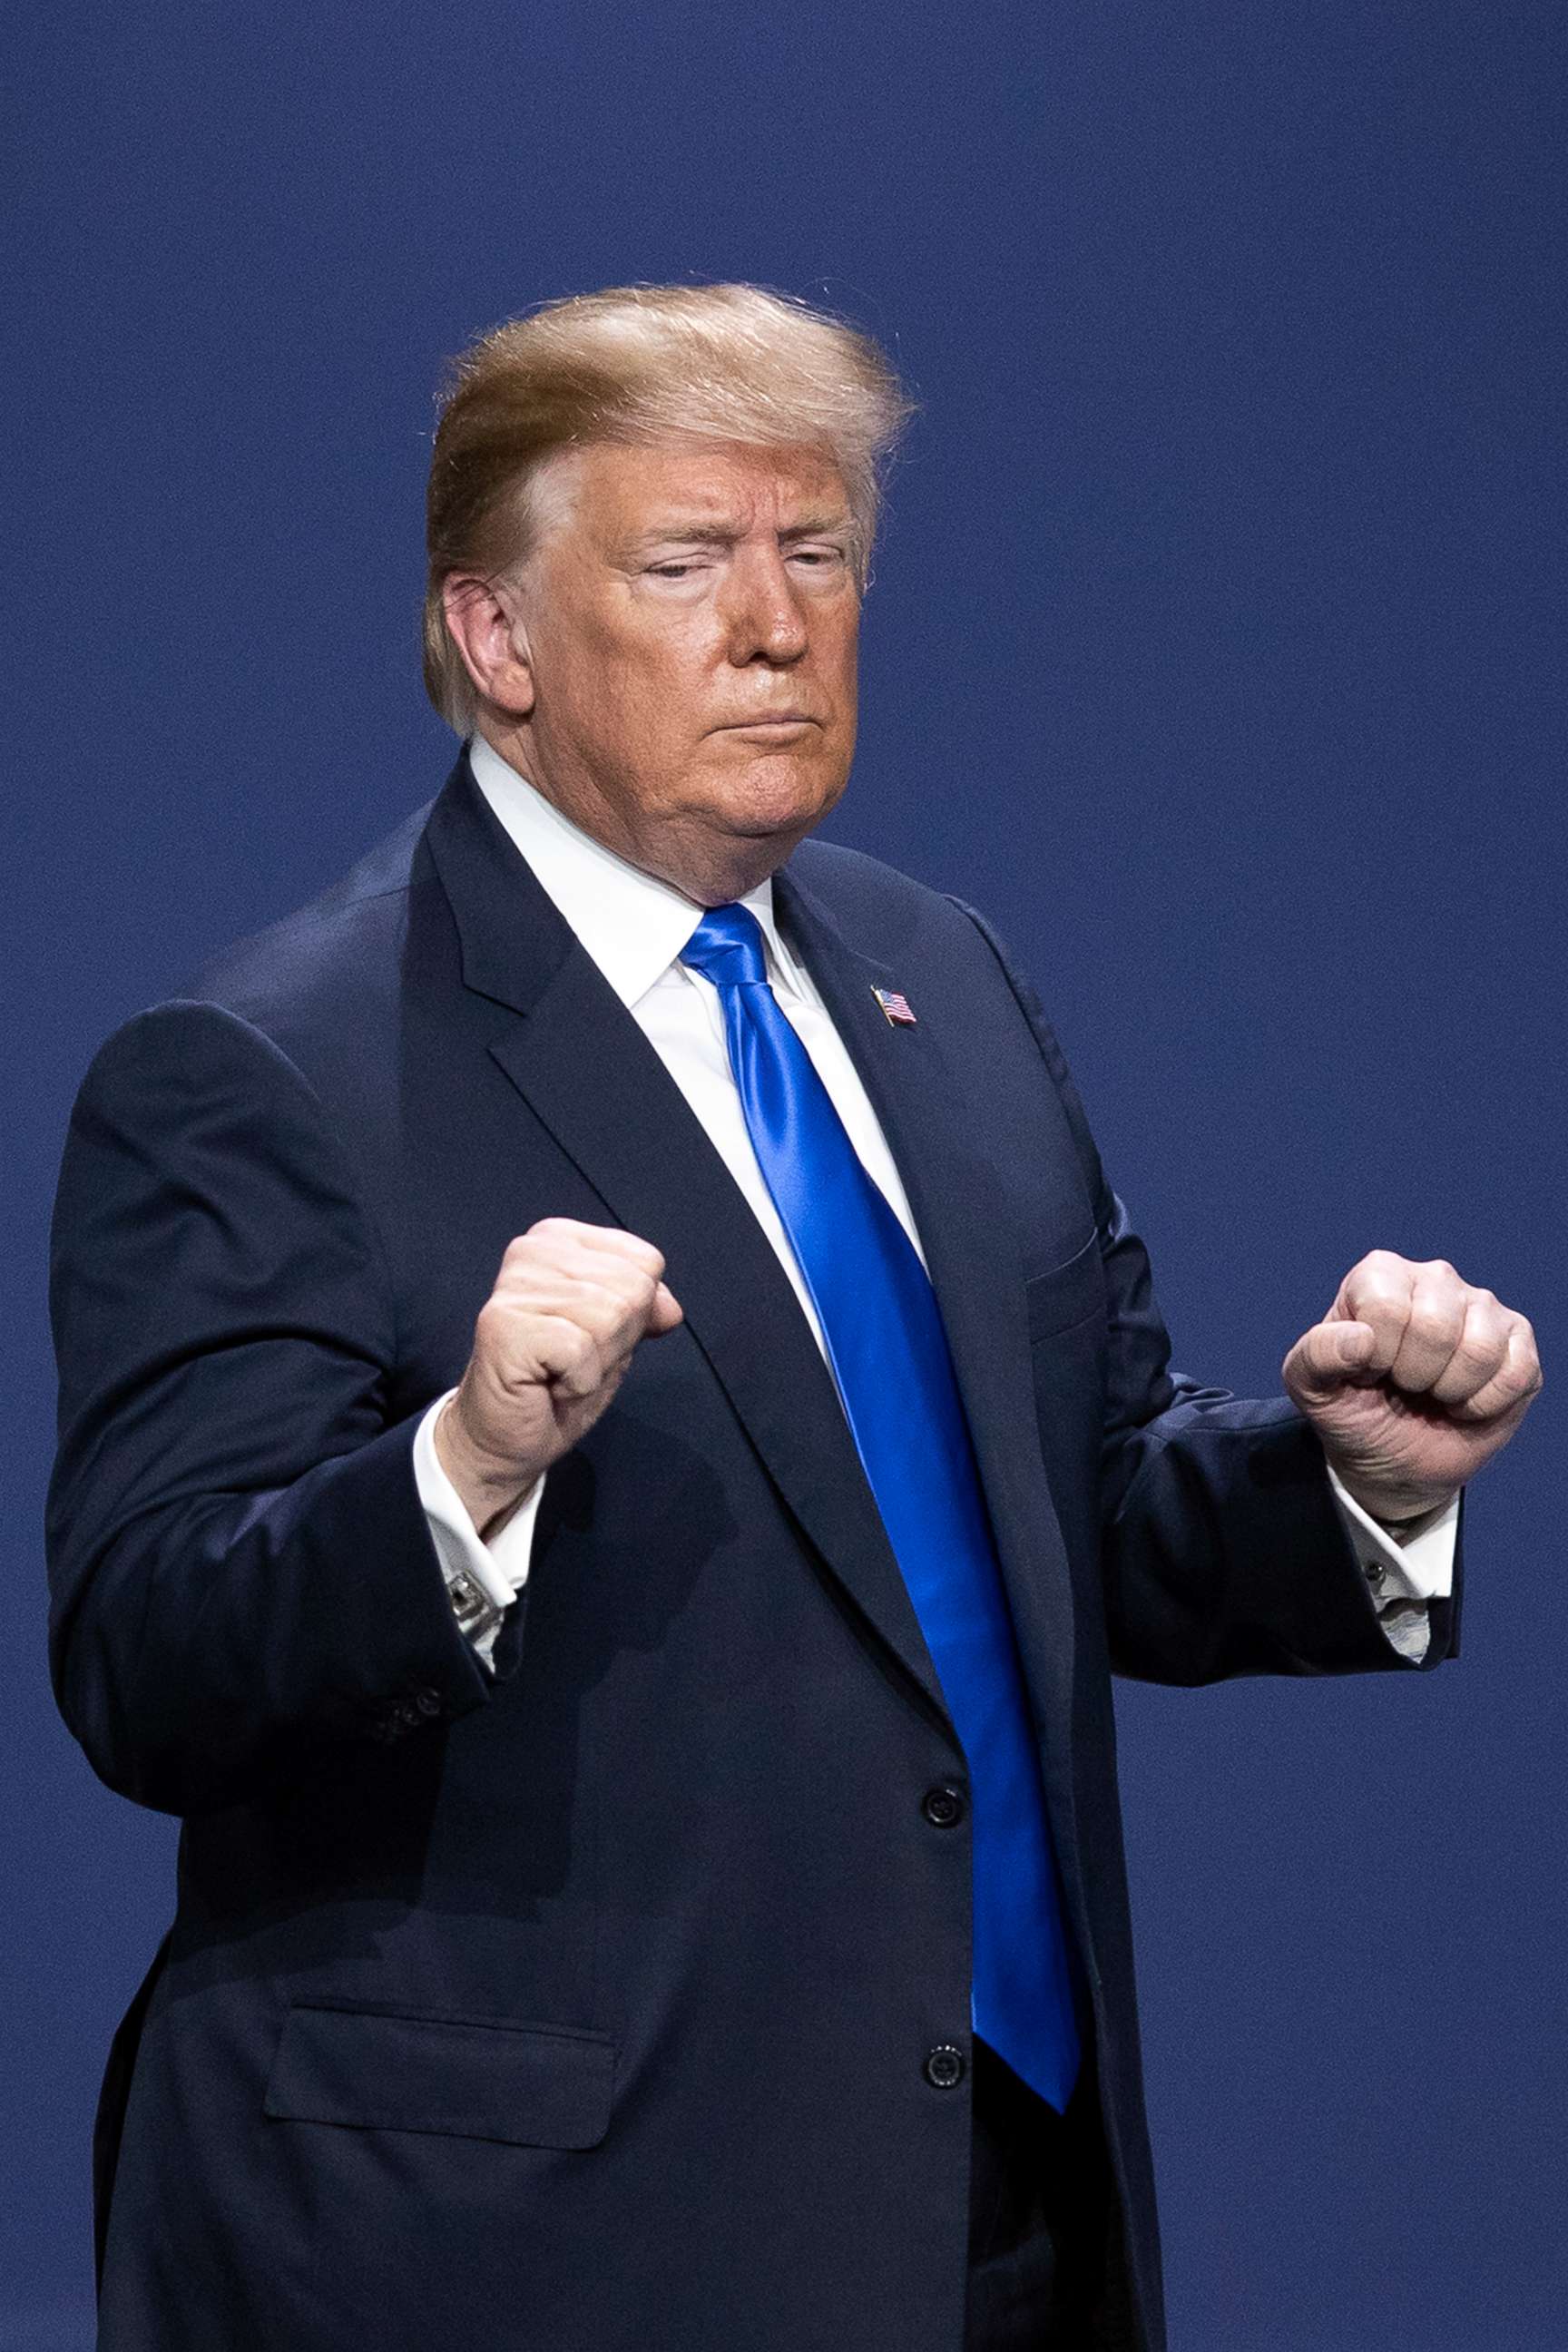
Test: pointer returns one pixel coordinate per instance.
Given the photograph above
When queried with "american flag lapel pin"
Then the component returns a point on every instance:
(895, 1007)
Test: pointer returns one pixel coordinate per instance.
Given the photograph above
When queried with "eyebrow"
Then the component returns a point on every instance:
(719, 534)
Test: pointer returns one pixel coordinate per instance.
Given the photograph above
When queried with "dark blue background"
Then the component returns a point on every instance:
(1215, 649)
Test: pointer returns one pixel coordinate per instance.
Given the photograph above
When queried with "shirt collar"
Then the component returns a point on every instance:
(633, 925)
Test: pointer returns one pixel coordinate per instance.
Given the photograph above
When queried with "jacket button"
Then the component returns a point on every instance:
(943, 1807)
(944, 2066)
(427, 1701)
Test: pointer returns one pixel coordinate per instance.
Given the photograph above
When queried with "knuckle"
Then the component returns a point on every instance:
(548, 1241)
(580, 1335)
(522, 1257)
(627, 1293)
(619, 1309)
(642, 1255)
(491, 1324)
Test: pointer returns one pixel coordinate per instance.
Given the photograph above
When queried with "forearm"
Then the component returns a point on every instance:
(239, 1558)
(1227, 1555)
(205, 1646)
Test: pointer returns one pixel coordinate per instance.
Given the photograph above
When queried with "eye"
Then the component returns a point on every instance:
(817, 559)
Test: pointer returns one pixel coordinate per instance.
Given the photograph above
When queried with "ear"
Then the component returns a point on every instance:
(492, 642)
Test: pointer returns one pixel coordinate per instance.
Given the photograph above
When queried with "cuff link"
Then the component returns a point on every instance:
(474, 1610)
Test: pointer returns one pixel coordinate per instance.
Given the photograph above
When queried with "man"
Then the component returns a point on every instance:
(612, 1435)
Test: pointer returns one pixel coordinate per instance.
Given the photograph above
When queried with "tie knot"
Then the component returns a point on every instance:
(727, 948)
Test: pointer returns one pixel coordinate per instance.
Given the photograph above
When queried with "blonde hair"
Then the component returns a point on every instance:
(638, 365)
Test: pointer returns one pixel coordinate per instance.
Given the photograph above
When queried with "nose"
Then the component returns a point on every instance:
(766, 616)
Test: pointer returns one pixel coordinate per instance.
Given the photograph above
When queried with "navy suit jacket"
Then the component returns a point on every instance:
(584, 2009)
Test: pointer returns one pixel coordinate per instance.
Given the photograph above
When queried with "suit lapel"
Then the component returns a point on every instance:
(586, 1071)
(914, 1077)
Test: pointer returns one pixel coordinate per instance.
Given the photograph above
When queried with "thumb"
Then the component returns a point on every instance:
(665, 1313)
(1328, 1357)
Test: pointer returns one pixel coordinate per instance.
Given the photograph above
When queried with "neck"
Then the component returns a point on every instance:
(711, 869)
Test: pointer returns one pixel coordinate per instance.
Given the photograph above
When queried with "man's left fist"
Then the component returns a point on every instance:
(1413, 1380)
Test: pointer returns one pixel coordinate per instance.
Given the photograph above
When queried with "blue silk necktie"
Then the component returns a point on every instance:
(890, 1358)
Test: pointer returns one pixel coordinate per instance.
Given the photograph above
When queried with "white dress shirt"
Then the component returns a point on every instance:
(635, 928)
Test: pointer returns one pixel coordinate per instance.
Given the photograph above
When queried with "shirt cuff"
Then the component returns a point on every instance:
(483, 1579)
(1419, 1564)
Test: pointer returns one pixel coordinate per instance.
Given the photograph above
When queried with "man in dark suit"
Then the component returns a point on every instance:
(651, 1872)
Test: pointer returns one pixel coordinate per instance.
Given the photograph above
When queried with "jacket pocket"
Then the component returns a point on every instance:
(1067, 1294)
(377, 2070)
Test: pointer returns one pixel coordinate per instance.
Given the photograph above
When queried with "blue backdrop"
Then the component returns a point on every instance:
(1215, 649)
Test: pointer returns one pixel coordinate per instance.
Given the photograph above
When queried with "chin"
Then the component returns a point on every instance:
(773, 799)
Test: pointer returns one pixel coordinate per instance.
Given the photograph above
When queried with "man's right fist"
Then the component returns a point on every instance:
(551, 1347)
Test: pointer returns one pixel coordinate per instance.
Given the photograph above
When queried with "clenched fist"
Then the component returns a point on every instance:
(551, 1347)
(1413, 1380)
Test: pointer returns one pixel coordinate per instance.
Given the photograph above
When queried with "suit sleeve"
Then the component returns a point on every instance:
(241, 1571)
(1222, 1551)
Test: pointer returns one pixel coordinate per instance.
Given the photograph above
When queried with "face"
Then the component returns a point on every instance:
(684, 657)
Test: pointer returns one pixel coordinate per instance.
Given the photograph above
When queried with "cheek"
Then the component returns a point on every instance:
(838, 651)
(625, 701)
(665, 681)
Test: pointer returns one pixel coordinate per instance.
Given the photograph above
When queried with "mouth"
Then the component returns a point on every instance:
(776, 723)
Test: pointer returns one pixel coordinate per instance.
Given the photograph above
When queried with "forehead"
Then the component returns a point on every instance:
(738, 486)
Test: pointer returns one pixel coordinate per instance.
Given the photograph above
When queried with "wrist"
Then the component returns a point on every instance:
(1398, 1511)
(488, 1487)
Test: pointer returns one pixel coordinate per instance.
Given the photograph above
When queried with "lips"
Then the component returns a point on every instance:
(770, 718)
